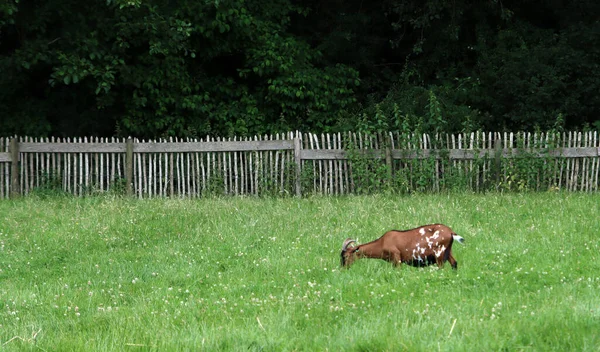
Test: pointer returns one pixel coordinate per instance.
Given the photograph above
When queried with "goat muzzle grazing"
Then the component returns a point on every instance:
(421, 246)
(345, 250)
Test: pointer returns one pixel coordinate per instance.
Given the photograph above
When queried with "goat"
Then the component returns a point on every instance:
(421, 246)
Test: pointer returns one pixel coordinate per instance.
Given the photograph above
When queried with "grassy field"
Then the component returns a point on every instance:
(112, 274)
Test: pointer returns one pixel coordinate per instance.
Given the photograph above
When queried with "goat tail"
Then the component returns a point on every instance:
(458, 238)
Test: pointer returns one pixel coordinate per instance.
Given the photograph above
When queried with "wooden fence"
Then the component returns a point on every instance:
(296, 163)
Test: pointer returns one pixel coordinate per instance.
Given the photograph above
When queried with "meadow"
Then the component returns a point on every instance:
(262, 274)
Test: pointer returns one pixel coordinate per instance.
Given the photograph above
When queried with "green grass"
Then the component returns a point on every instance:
(112, 274)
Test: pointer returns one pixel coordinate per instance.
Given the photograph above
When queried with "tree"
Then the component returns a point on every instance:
(222, 67)
(153, 69)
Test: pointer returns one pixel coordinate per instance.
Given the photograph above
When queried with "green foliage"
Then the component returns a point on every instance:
(118, 186)
(150, 69)
(410, 108)
(307, 177)
(8, 12)
(530, 171)
(536, 74)
(369, 174)
(247, 67)
(214, 186)
(490, 65)
(50, 186)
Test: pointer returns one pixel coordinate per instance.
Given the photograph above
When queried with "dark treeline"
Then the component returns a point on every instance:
(155, 68)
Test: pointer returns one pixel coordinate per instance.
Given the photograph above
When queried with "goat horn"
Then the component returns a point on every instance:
(347, 242)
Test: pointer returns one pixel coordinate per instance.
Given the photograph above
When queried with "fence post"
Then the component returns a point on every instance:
(129, 165)
(497, 157)
(298, 160)
(14, 166)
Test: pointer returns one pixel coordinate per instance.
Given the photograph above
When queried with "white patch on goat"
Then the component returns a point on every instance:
(429, 242)
(416, 253)
(438, 253)
(422, 231)
(436, 235)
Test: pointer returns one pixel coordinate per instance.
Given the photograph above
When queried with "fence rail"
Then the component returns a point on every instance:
(297, 163)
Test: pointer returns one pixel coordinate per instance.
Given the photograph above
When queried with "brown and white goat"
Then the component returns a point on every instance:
(422, 246)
